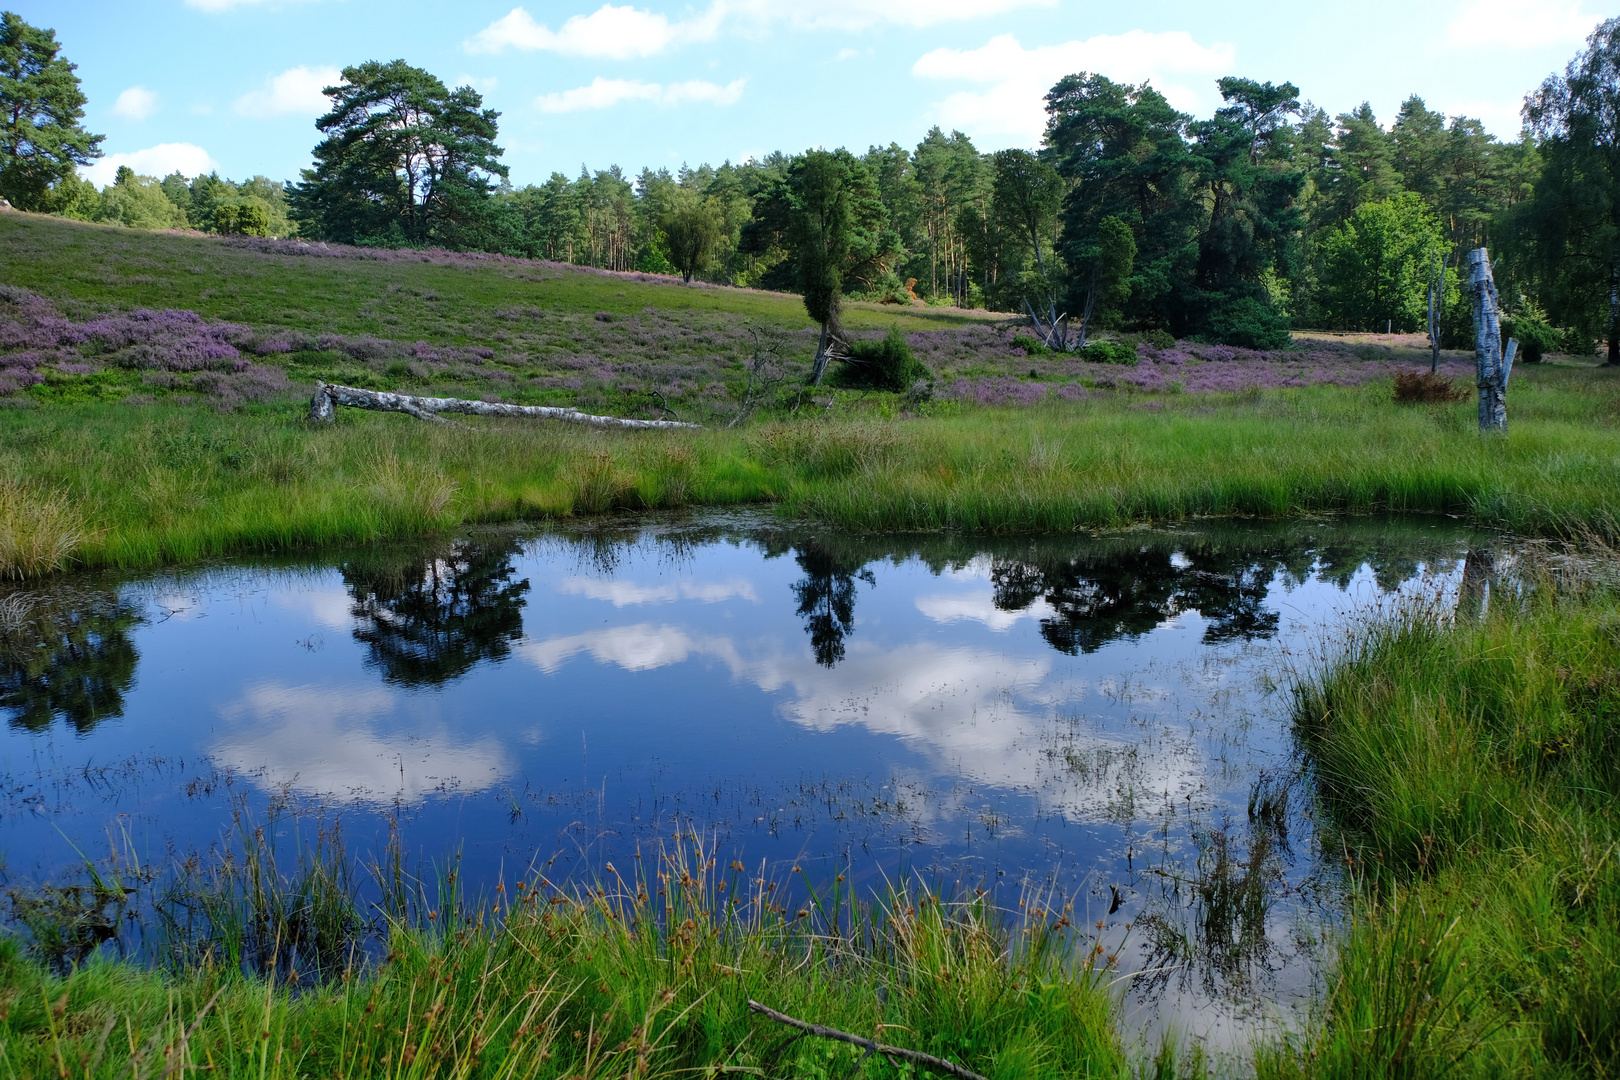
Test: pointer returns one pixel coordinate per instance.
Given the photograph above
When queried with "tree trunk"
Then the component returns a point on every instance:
(1492, 364)
(1614, 312)
(427, 408)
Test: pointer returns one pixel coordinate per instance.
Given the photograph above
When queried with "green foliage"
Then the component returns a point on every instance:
(1027, 193)
(248, 217)
(692, 231)
(1535, 336)
(885, 364)
(41, 139)
(1376, 265)
(1567, 236)
(138, 202)
(1469, 766)
(1249, 322)
(1109, 352)
(405, 161)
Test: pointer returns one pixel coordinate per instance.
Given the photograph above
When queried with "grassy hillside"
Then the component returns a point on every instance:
(142, 437)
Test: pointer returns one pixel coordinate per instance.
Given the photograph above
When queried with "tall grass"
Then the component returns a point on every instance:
(1473, 770)
(646, 974)
(39, 530)
(169, 483)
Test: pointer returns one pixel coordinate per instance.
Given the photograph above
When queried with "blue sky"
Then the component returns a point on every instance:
(235, 84)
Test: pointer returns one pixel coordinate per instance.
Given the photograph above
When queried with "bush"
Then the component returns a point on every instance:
(1109, 352)
(1536, 338)
(1031, 346)
(1420, 387)
(1160, 339)
(886, 364)
(1248, 323)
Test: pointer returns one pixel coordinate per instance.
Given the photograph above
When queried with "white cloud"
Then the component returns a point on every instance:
(484, 85)
(642, 647)
(606, 93)
(1520, 24)
(137, 103)
(613, 33)
(159, 160)
(624, 593)
(1018, 78)
(295, 92)
(624, 33)
(979, 607)
(861, 14)
(321, 740)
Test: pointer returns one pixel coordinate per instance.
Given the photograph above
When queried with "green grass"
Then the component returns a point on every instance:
(1473, 771)
(104, 266)
(163, 483)
(647, 976)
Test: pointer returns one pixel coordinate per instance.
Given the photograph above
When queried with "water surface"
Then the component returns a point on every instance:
(1097, 719)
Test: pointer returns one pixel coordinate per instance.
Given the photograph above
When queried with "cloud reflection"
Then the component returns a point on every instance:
(322, 740)
(628, 593)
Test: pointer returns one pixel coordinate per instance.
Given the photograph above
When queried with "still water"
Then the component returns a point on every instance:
(1100, 719)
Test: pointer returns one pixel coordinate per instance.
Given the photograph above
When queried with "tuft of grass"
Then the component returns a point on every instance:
(1471, 764)
(40, 530)
(645, 974)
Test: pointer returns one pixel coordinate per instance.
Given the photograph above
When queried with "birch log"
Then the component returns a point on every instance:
(1492, 363)
(321, 407)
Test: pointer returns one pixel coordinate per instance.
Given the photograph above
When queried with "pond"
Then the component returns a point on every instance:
(1098, 720)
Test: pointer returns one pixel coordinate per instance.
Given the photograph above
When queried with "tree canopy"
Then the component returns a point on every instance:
(41, 139)
(405, 161)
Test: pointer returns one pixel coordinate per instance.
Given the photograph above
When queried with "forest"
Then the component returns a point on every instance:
(1235, 228)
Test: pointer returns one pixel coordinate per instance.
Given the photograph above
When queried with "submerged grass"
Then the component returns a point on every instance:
(1473, 768)
(648, 974)
(123, 485)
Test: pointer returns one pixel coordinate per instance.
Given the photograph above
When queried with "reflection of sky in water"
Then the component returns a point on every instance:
(1069, 711)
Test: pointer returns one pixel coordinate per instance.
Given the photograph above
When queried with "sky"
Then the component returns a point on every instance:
(235, 85)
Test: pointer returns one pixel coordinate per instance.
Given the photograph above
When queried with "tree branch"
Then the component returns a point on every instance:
(427, 408)
(868, 1045)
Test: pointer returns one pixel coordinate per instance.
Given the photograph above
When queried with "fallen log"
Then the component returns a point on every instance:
(871, 1047)
(327, 396)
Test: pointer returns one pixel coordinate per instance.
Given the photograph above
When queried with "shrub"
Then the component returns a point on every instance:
(1420, 387)
(1249, 323)
(1108, 352)
(886, 364)
(1031, 346)
(1577, 342)
(1160, 339)
(1536, 338)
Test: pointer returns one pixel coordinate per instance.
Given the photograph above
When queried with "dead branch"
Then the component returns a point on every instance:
(821, 1032)
(321, 407)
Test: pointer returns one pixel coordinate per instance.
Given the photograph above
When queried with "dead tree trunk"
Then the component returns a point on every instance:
(1492, 363)
(321, 407)
(1437, 295)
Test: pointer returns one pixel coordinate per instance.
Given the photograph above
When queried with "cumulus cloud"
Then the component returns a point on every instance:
(625, 593)
(624, 33)
(136, 103)
(1520, 24)
(612, 33)
(606, 93)
(642, 647)
(324, 740)
(1016, 79)
(159, 160)
(294, 92)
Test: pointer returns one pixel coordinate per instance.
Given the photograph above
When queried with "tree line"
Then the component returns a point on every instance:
(1268, 214)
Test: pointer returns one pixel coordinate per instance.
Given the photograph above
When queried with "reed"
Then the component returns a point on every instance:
(1469, 766)
(644, 973)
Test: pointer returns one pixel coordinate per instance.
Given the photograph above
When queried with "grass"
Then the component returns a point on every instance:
(647, 975)
(137, 485)
(1472, 769)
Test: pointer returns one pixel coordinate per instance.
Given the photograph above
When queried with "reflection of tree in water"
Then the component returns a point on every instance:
(429, 618)
(65, 655)
(1098, 598)
(826, 598)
